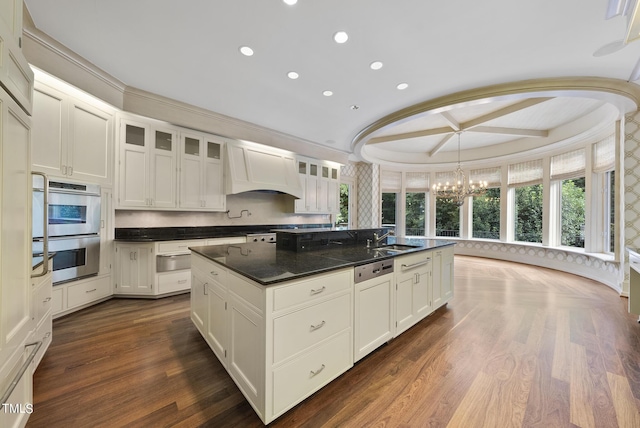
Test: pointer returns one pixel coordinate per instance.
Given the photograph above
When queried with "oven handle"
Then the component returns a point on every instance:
(45, 226)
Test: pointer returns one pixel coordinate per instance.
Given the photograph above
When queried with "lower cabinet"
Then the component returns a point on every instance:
(72, 296)
(42, 301)
(413, 289)
(280, 343)
(373, 314)
(134, 269)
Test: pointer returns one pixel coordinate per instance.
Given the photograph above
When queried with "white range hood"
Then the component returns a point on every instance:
(255, 167)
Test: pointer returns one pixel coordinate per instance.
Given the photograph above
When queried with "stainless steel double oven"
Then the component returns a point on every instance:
(66, 219)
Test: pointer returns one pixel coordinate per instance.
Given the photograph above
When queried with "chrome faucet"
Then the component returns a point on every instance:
(377, 238)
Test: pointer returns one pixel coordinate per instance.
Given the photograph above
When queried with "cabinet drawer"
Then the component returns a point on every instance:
(414, 261)
(178, 246)
(212, 270)
(295, 381)
(299, 330)
(42, 301)
(85, 292)
(44, 333)
(174, 281)
(312, 289)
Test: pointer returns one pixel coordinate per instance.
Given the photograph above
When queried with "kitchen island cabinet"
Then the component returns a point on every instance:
(280, 344)
(285, 323)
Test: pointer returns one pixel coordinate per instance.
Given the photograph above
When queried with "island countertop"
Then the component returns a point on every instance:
(267, 265)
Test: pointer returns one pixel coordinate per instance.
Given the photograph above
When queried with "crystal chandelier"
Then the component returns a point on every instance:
(460, 188)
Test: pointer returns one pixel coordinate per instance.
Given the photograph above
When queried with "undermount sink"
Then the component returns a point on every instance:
(394, 248)
(398, 247)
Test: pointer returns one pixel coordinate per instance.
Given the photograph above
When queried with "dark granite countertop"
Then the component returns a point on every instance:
(267, 265)
(153, 234)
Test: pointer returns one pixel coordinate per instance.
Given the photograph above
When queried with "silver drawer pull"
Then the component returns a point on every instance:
(315, 327)
(46, 336)
(214, 273)
(91, 291)
(318, 291)
(313, 373)
(48, 299)
(416, 264)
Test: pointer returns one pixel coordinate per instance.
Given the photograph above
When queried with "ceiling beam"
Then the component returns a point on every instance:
(529, 102)
(415, 134)
(511, 131)
(440, 145)
(454, 123)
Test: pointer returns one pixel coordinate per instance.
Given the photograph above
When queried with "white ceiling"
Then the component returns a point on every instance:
(189, 51)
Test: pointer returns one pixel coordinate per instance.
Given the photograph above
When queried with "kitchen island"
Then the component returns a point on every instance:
(284, 322)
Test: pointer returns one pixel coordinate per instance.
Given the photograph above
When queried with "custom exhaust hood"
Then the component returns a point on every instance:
(255, 167)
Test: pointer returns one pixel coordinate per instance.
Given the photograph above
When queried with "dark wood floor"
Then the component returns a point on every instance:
(517, 346)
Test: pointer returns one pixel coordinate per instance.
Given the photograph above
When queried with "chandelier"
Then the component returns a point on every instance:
(458, 190)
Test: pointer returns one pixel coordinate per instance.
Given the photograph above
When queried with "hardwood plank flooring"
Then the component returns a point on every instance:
(518, 346)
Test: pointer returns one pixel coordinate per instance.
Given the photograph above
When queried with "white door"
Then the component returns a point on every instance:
(49, 153)
(133, 166)
(191, 171)
(163, 167)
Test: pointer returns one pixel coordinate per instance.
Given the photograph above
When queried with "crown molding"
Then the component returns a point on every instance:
(152, 105)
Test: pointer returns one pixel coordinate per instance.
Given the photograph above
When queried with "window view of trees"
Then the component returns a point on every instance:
(572, 215)
(343, 216)
(528, 213)
(486, 215)
(389, 209)
(415, 214)
(447, 218)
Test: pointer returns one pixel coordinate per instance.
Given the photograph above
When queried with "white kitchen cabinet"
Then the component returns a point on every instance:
(201, 172)
(42, 301)
(134, 271)
(16, 312)
(321, 185)
(106, 230)
(71, 137)
(374, 322)
(282, 342)
(73, 296)
(147, 165)
(442, 276)
(15, 73)
(413, 289)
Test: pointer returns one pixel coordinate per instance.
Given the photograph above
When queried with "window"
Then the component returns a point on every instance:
(528, 213)
(567, 171)
(391, 186)
(486, 208)
(447, 218)
(389, 210)
(572, 217)
(416, 198)
(486, 215)
(343, 219)
(526, 180)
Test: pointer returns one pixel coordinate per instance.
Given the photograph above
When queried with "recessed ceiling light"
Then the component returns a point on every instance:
(376, 65)
(290, 2)
(327, 93)
(402, 86)
(293, 75)
(355, 107)
(246, 50)
(340, 37)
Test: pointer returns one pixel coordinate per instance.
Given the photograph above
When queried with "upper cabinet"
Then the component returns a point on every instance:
(321, 186)
(170, 168)
(147, 165)
(201, 172)
(15, 73)
(71, 137)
